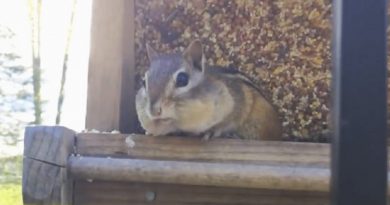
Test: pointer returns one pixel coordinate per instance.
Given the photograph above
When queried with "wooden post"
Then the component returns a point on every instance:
(45, 176)
(359, 160)
(110, 103)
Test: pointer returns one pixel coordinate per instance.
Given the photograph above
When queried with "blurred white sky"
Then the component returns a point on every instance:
(55, 21)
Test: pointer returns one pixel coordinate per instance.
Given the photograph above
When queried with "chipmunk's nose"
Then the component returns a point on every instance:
(155, 110)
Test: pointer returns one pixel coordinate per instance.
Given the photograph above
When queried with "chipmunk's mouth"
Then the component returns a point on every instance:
(162, 120)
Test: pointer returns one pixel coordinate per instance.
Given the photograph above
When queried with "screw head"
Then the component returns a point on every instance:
(150, 196)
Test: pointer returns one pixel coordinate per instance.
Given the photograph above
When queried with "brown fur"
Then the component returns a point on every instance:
(217, 103)
(253, 116)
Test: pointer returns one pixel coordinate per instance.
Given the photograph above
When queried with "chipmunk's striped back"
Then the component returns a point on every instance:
(253, 116)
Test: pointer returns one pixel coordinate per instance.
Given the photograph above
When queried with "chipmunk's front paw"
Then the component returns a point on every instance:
(207, 136)
(211, 134)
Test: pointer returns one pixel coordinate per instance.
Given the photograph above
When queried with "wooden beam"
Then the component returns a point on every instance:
(293, 178)
(192, 149)
(45, 177)
(189, 161)
(119, 193)
(169, 159)
(359, 158)
(110, 102)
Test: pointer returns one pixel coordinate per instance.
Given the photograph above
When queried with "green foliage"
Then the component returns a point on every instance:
(11, 170)
(10, 180)
(16, 108)
(10, 194)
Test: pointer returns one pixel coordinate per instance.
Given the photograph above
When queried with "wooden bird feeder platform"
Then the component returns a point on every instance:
(64, 167)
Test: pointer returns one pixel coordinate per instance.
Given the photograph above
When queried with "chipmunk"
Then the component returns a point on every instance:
(180, 94)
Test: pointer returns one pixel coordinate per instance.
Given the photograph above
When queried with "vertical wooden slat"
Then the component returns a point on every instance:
(359, 80)
(127, 106)
(110, 103)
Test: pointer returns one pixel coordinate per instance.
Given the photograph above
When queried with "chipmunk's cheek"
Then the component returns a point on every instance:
(168, 110)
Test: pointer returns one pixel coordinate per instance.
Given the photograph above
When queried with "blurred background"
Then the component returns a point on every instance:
(44, 47)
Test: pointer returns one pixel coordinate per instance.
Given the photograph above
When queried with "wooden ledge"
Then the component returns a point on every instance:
(58, 161)
(188, 161)
(192, 149)
(291, 178)
(220, 162)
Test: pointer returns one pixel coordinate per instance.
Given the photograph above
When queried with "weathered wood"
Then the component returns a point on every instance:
(45, 177)
(219, 162)
(110, 103)
(51, 144)
(117, 193)
(42, 183)
(67, 186)
(192, 149)
(201, 173)
(177, 170)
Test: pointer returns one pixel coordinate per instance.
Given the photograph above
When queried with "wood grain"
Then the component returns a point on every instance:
(192, 149)
(201, 173)
(45, 177)
(41, 182)
(119, 193)
(177, 170)
(110, 102)
(51, 144)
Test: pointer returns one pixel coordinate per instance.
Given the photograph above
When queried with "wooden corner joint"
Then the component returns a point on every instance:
(45, 177)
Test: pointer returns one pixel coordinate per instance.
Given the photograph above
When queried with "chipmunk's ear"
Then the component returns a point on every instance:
(152, 54)
(194, 54)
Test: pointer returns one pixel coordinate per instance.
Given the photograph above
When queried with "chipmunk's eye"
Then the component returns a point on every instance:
(182, 79)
